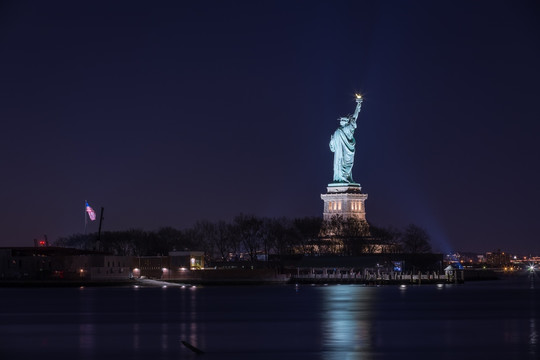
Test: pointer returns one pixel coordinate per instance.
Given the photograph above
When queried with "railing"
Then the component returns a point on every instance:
(358, 277)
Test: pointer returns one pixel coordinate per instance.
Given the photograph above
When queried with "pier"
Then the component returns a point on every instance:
(335, 276)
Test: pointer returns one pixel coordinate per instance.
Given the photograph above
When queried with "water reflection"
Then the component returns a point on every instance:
(347, 323)
(193, 317)
(188, 325)
(86, 337)
(533, 333)
(533, 337)
(87, 331)
(136, 341)
(164, 337)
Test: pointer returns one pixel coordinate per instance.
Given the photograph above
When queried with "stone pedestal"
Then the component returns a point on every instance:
(346, 200)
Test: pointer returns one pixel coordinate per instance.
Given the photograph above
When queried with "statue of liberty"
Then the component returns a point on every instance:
(342, 145)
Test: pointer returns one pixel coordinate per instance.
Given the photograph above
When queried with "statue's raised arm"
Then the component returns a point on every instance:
(358, 107)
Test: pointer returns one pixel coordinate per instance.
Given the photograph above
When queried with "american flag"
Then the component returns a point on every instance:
(91, 212)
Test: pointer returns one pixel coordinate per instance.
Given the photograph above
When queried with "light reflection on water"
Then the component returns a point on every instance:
(347, 325)
(136, 338)
(86, 336)
(533, 334)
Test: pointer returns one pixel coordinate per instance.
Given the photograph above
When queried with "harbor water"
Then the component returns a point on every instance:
(476, 320)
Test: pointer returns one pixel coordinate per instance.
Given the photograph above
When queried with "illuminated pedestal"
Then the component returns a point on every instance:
(346, 200)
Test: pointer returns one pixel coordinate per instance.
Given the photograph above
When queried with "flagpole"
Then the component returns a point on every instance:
(85, 219)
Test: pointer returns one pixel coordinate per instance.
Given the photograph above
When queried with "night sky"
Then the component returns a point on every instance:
(165, 113)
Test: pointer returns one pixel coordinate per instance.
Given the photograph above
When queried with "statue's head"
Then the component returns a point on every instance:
(343, 120)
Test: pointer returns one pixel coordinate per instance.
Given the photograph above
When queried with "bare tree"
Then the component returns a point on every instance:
(415, 240)
(354, 233)
(386, 239)
(248, 230)
(222, 240)
(204, 233)
(307, 234)
(277, 236)
(78, 241)
(171, 239)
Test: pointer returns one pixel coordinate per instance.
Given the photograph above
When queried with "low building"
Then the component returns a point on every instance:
(167, 267)
(57, 263)
(154, 267)
(497, 259)
(193, 260)
(98, 267)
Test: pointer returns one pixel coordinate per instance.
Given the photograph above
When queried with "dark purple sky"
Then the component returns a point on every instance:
(166, 113)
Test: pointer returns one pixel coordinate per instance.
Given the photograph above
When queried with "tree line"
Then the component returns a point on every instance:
(248, 237)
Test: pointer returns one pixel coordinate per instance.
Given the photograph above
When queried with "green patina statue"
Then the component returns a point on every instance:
(342, 145)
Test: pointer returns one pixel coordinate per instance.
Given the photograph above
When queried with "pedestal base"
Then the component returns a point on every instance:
(346, 200)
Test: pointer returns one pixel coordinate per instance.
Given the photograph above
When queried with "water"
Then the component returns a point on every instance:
(482, 320)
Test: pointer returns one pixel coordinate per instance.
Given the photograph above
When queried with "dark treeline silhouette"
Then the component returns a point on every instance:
(251, 238)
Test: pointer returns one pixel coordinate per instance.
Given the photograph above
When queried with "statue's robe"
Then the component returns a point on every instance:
(342, 145)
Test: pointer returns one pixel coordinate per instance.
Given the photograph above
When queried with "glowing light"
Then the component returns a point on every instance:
(358, 96)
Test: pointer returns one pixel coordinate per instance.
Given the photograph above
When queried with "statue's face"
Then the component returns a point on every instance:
(343, 121)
